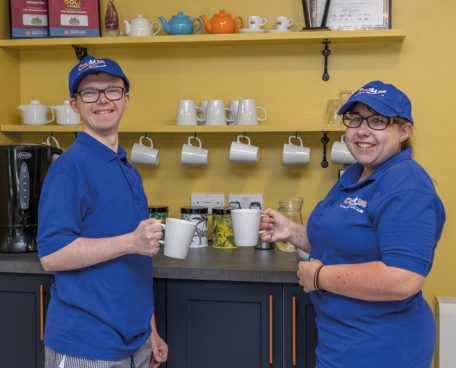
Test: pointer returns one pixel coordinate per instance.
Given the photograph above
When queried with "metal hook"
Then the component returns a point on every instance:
(194, 135)
(324, 141)
(296, 135)
(326, 52)
(81, 52)
(145, 134)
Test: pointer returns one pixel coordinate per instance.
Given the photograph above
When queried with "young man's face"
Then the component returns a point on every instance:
(101, 117)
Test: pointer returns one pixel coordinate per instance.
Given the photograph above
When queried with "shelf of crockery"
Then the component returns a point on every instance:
(298, 127)
(208, 39)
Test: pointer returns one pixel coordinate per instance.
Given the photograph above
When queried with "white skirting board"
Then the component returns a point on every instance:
(447, 331)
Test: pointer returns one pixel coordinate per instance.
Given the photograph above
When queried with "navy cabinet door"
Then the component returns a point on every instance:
(300, 331)
(224, 324)
(23, 303)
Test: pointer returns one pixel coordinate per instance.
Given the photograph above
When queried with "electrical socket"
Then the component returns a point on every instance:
(246, 199)
(208, 200)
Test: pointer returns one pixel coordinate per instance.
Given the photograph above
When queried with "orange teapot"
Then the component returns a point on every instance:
(221, 23)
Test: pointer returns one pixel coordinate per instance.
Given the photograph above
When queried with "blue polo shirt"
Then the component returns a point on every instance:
(102, 311)
(394, 216)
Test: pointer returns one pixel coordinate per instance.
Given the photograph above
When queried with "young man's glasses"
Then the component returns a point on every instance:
(375, 122)
(92, 95)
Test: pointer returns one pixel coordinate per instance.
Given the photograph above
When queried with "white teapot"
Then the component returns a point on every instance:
(66, 115)
(35, 113)
(141, 26)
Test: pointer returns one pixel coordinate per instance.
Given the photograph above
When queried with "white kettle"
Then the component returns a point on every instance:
(141, 26)
(35, 113)
(66, 115)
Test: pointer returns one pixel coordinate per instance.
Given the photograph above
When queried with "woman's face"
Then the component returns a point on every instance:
(373, 147)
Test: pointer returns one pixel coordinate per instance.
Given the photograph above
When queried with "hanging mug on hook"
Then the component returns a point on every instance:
(53, 143)
(243, 152)
(194, 154)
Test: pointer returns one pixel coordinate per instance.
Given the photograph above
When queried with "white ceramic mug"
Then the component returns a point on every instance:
(143, 154)
(243, 152)
(178, 237)
(65, 115)
(36, 114)
(52, 141)
(194, 155)
(247, 113)
(246, 226)
(233, 106)
(295, 154)
(256, 22)
(216, 113)
(283, 23)
(202, 113)
(188, 113)
(340, 153)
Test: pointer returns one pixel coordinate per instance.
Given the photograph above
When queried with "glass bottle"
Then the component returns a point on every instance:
(291, 209)
(111, 20)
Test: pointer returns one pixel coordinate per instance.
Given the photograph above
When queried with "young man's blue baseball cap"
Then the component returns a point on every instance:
(89, 65)
(385, 99)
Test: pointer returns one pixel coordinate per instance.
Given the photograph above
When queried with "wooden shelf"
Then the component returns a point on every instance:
(208, 39)
(19, 128)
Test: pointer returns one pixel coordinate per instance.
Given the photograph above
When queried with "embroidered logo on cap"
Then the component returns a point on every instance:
(373, 91)
(94, 63)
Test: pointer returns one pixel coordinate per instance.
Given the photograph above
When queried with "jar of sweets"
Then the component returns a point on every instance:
(197, 215)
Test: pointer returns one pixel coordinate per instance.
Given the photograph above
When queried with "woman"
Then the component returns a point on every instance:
(371, 242)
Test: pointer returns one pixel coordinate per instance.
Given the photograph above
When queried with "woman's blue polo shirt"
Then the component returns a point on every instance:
(102, 311)
(394, 216)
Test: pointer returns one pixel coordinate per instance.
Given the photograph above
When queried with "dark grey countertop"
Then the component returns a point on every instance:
(241, 264)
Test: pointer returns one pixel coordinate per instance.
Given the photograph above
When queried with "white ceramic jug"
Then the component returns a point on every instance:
(65, 114)
(35, 113)
(141, 26)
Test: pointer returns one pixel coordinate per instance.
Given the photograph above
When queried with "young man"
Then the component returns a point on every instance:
(94, 233)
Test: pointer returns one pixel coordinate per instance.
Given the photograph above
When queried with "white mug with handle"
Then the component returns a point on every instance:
(178, 237)
(144, 154)
(246, 226)
(194, 154)
(247, 113)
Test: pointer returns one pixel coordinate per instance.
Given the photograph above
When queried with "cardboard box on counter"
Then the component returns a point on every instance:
(29, 18)
(74, 18)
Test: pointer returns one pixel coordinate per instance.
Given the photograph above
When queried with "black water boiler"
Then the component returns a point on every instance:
(22, 171)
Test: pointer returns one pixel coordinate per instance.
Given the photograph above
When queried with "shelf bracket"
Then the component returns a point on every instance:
(324, 141)
(326, 52)
(80, 52)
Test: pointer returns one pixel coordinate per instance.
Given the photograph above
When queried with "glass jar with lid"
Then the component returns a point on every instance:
(291, 209)
(197, 215)
(158, 212)
(222, 231)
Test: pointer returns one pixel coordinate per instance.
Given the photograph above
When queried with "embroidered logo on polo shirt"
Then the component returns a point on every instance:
(354, 204)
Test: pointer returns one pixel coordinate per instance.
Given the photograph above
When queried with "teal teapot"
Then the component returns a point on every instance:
(181, 24)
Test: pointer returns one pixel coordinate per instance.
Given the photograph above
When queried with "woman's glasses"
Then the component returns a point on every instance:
(375, 122)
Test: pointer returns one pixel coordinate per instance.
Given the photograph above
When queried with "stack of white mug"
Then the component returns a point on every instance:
(214, 112)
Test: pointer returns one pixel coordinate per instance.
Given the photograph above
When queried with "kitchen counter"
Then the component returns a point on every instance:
(241, 264)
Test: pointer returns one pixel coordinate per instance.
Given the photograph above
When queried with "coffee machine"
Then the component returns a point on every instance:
(22, 171)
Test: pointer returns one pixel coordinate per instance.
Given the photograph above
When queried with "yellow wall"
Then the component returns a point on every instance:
(286, 79)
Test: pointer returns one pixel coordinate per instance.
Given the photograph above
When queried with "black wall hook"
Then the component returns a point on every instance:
(326, 52)
(324, 141)
(80, 52)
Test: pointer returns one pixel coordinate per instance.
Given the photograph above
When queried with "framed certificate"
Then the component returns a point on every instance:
(357, 14)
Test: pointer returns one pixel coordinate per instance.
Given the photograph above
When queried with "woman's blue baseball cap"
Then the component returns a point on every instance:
(385, 99)
(89, 65)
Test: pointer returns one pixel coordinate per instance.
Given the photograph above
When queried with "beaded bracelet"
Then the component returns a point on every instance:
(317, 272)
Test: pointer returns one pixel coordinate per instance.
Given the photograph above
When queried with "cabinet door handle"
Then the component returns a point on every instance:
(293, 330)
(271, 340)
(41, 312)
